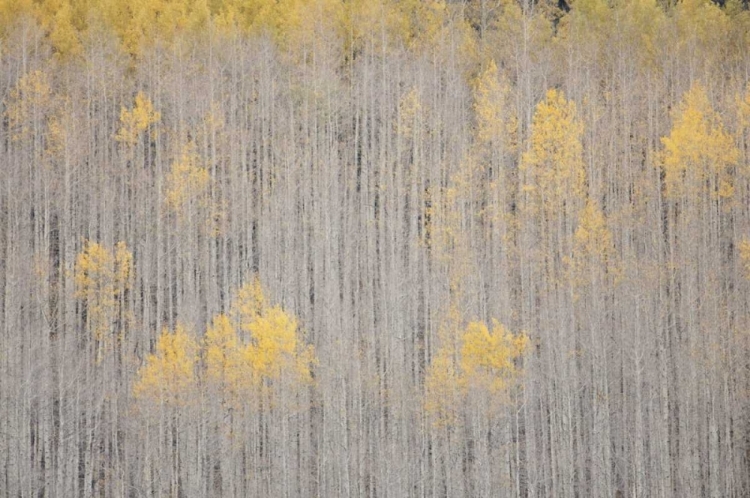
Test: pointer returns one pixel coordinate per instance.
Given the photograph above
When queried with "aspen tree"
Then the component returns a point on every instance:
(136, 120)
(168, 375)
(102, 277)
(698, 152)
(554, 162)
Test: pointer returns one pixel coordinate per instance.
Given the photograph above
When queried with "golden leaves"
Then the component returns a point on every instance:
(63, 34)
(29, 102)
(485, 364)
(593, 246)
(169, 374)
(249, 304)
(743, 110)
(188, 193)
(442, 396)
(697, 150)
(410, 114)
(487, 358)
(554, 161)
(273, 346)
(495, 121)
(744, 247)
(135, 121)
(102, 276)
(254, 348)
(187, 181)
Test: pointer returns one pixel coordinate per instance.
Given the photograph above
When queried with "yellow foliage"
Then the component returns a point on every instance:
(554, 161)
(294, 24)
(487, 358)
(697, 149)
(593, 246)
(273, 345)
(123, 266)
(701, 24)
(28, 101)
(587, 25)
(10, 10)
(363, 23)
(642, 21)
(223, 356)
(58, 133)
(420, 23)
(169, 374)
(271, 349)
(495, 121)
(141, 23)
(745, 257)
(92, 269)
(273, 342)
(63, 35)
(136, 120)
(249, 304)
(442, 395)
(187, 182)
(743, 110)
(486, 364)
(302, 25)
(101, 278)
(410, 114)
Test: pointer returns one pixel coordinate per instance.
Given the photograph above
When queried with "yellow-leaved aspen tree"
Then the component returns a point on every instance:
(270, 345)
(553, 164)
(698, 153)
(488, 357)
(698, 170)
(168, 376)
(103, 278)
(136, 120)
(472, 383)
(165, 390)
(63, 34)
(223, 358)
(553, 193)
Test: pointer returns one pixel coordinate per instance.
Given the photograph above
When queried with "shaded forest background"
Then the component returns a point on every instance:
(374, 248)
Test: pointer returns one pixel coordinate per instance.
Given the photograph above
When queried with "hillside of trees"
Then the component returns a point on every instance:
(376, 248)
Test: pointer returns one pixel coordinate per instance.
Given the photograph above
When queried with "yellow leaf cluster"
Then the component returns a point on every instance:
(442, 396)
(58, 134)
(554, 160)
(273, 347)
(135, 121)
(30, 99)
(745, 257)
(593, 246)
(743, 110)
(697, 149)
(187, 182)
(102, 276)
(63, 35)
(249, 304)
(222, 353)
(410, 114)
(139, 24)
(485, 364)
(494, 121)
(702, 22)
(487, 358)
(169, 374)
(256, 347)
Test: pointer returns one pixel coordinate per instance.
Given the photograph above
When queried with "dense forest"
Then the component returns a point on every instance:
(377, 248)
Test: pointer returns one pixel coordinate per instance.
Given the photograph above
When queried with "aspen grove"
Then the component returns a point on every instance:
(376, 248)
